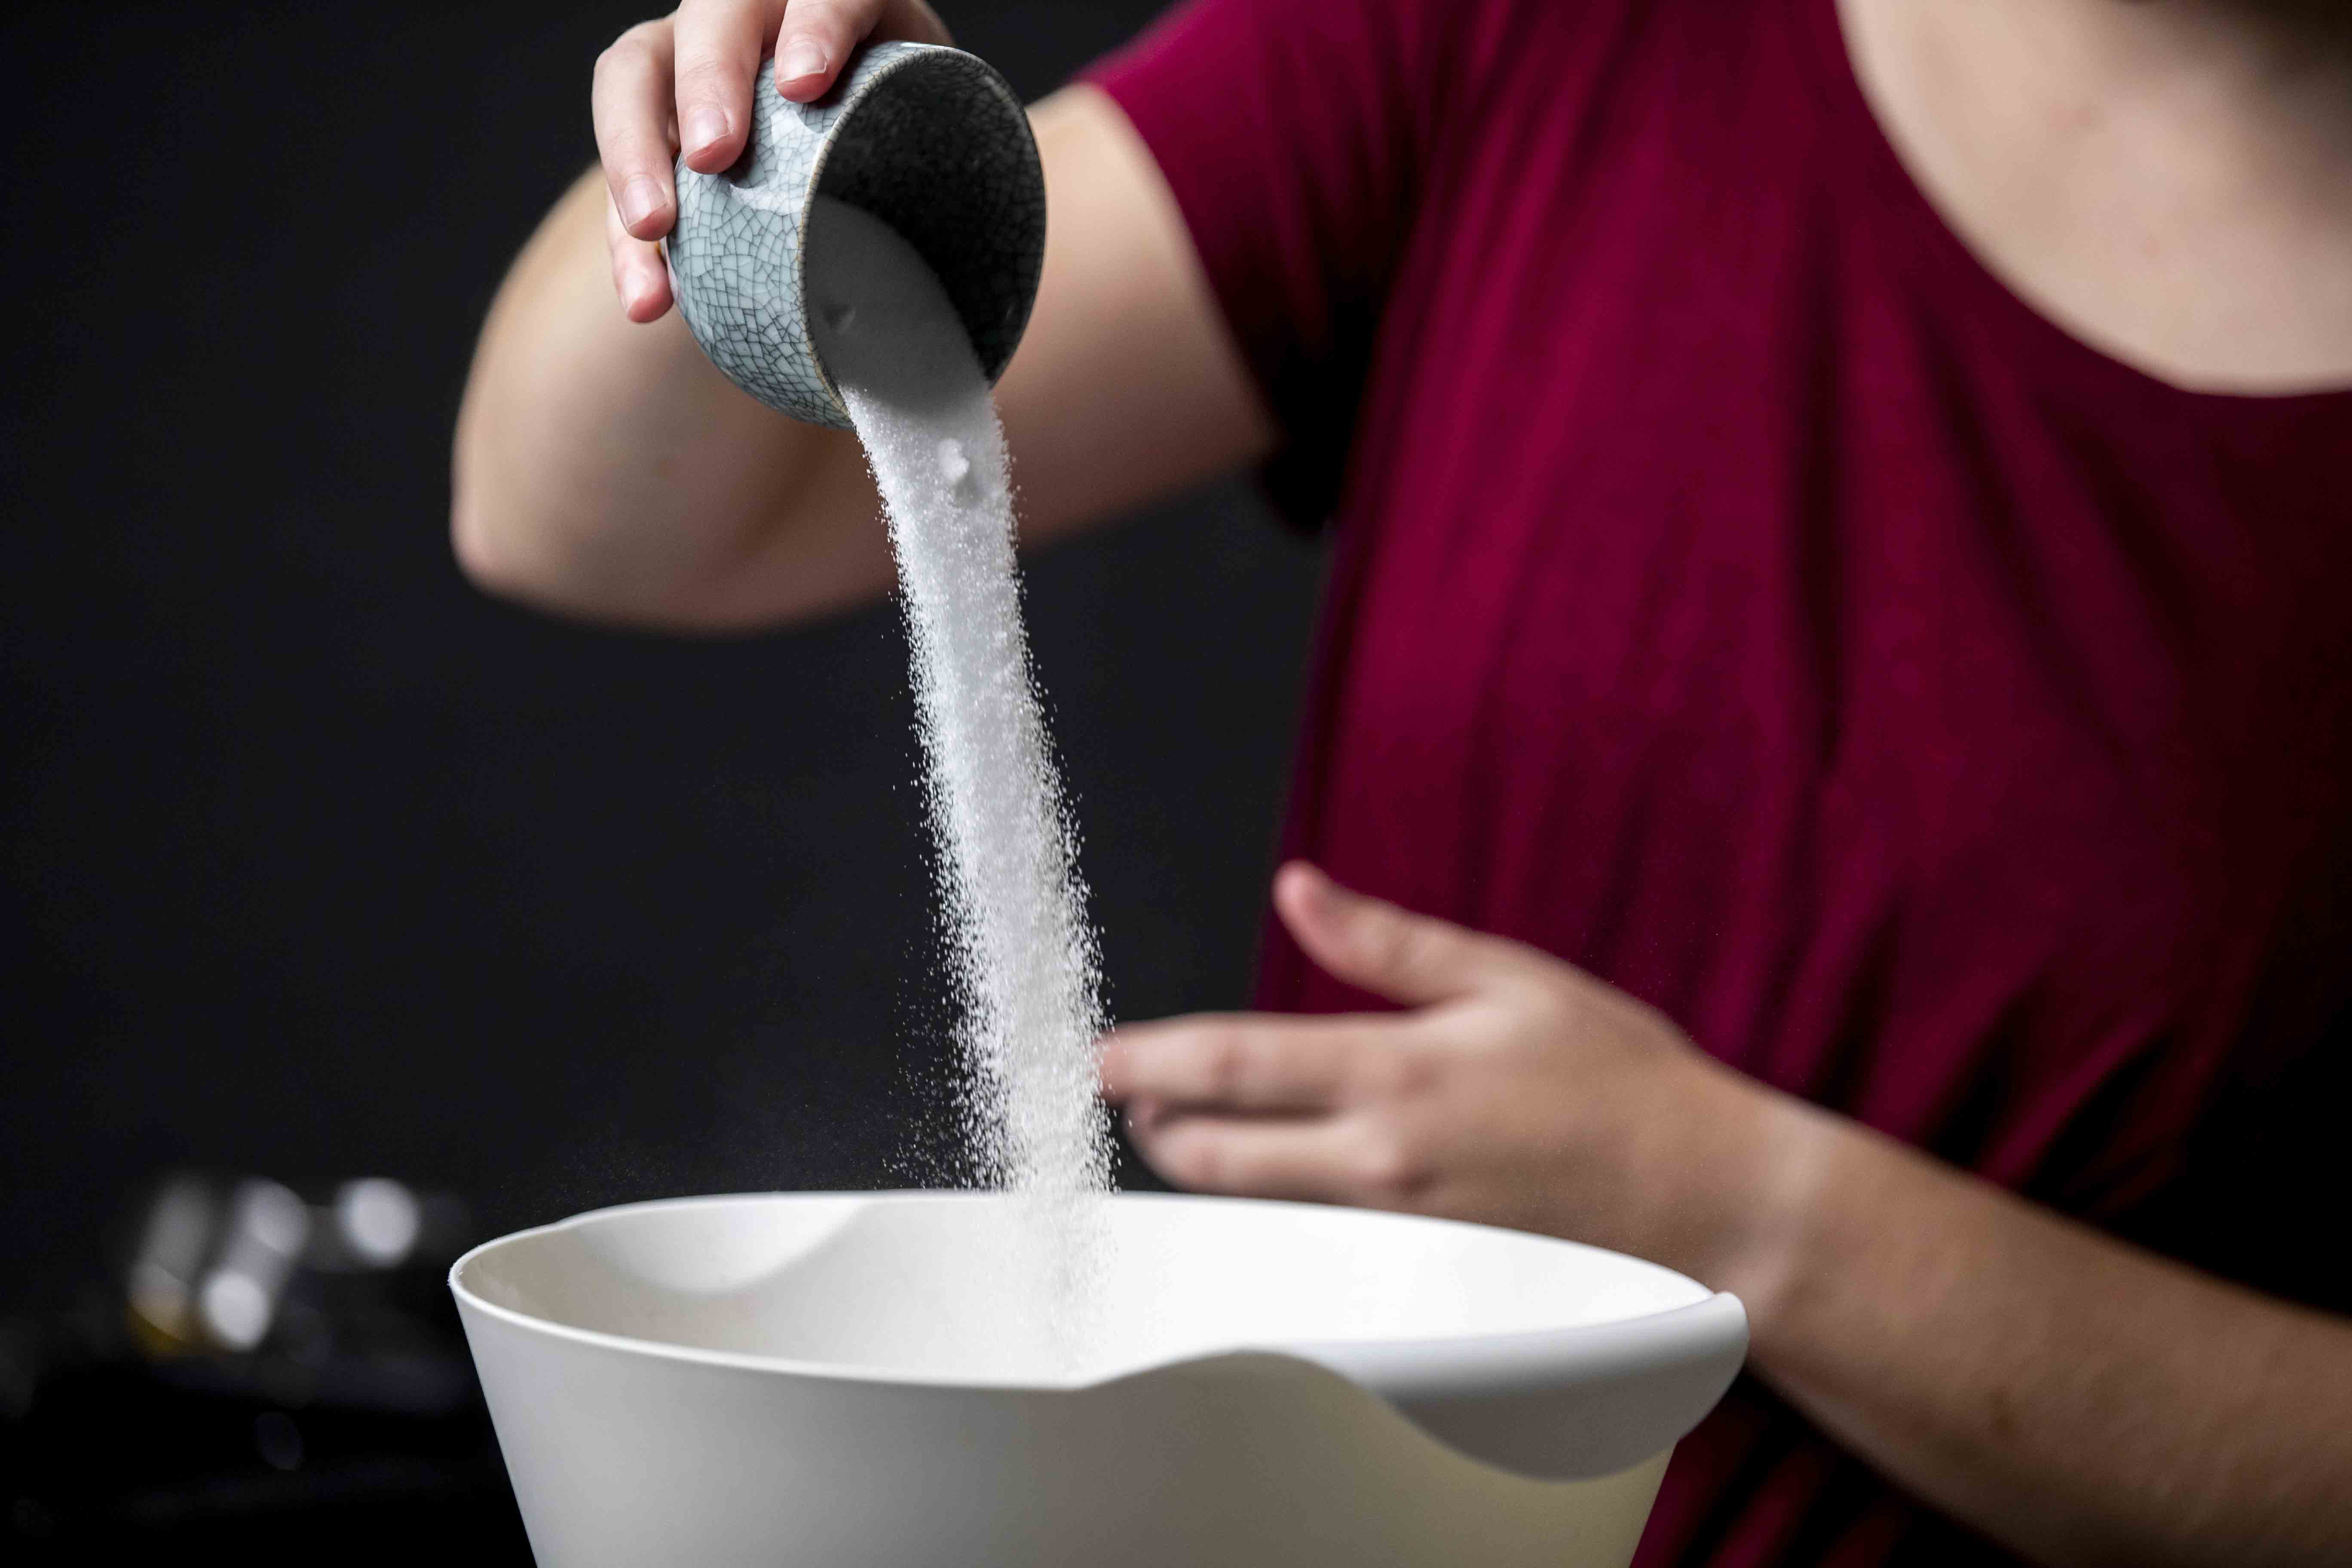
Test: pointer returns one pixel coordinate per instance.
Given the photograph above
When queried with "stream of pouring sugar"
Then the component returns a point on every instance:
(1022, 955)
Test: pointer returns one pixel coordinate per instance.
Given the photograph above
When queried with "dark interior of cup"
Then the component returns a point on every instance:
(940, 149)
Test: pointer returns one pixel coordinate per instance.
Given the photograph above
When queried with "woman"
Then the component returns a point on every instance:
(1839, 537)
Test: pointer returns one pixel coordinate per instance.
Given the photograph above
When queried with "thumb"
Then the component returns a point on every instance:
(1392, 952)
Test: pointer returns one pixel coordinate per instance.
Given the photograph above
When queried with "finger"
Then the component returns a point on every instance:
(816, 40)
(1392, 952)
(631, 99)
(811, 47)
(1240, 1061)
(638, 275)
(717, 54)
(1318, 1160)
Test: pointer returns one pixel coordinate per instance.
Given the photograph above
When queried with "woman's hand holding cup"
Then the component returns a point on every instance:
(683, 83)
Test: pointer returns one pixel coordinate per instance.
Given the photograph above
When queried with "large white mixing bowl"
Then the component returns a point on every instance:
(837, 1379)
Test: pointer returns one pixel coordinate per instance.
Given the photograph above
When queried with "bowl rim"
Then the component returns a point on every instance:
(1704, 1305)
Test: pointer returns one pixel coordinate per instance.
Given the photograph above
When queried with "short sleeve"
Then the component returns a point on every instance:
(1294, 135)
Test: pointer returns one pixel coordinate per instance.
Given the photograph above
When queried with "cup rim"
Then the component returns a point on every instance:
(899, 54)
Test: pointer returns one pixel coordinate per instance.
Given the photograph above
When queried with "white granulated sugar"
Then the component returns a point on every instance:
(1023, 956)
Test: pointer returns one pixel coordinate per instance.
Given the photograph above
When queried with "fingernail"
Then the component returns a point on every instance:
(646, 280)
(640, 199)
(802, 56)
(704, 126)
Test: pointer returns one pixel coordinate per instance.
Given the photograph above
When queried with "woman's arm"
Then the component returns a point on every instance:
(603, 467)
(2081, 1400)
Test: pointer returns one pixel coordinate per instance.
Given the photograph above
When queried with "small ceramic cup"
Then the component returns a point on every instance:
(930, 140)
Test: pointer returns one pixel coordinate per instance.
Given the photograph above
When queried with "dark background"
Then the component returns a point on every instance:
(319, 864)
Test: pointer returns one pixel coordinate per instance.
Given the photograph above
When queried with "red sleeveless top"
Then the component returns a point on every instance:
(1739, 592)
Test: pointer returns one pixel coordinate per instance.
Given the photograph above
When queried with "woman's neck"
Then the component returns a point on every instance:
(2170, 180)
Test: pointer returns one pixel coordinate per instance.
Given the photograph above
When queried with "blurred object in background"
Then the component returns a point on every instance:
(273, 1373)
(224, 1268)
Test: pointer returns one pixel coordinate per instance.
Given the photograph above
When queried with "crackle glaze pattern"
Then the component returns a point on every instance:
(931, 141)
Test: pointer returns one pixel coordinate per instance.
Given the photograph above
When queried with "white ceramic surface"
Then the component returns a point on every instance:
(849, 1378)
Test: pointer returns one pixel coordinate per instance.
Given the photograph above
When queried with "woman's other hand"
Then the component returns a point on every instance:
(684, 82)
(1518, 1090)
